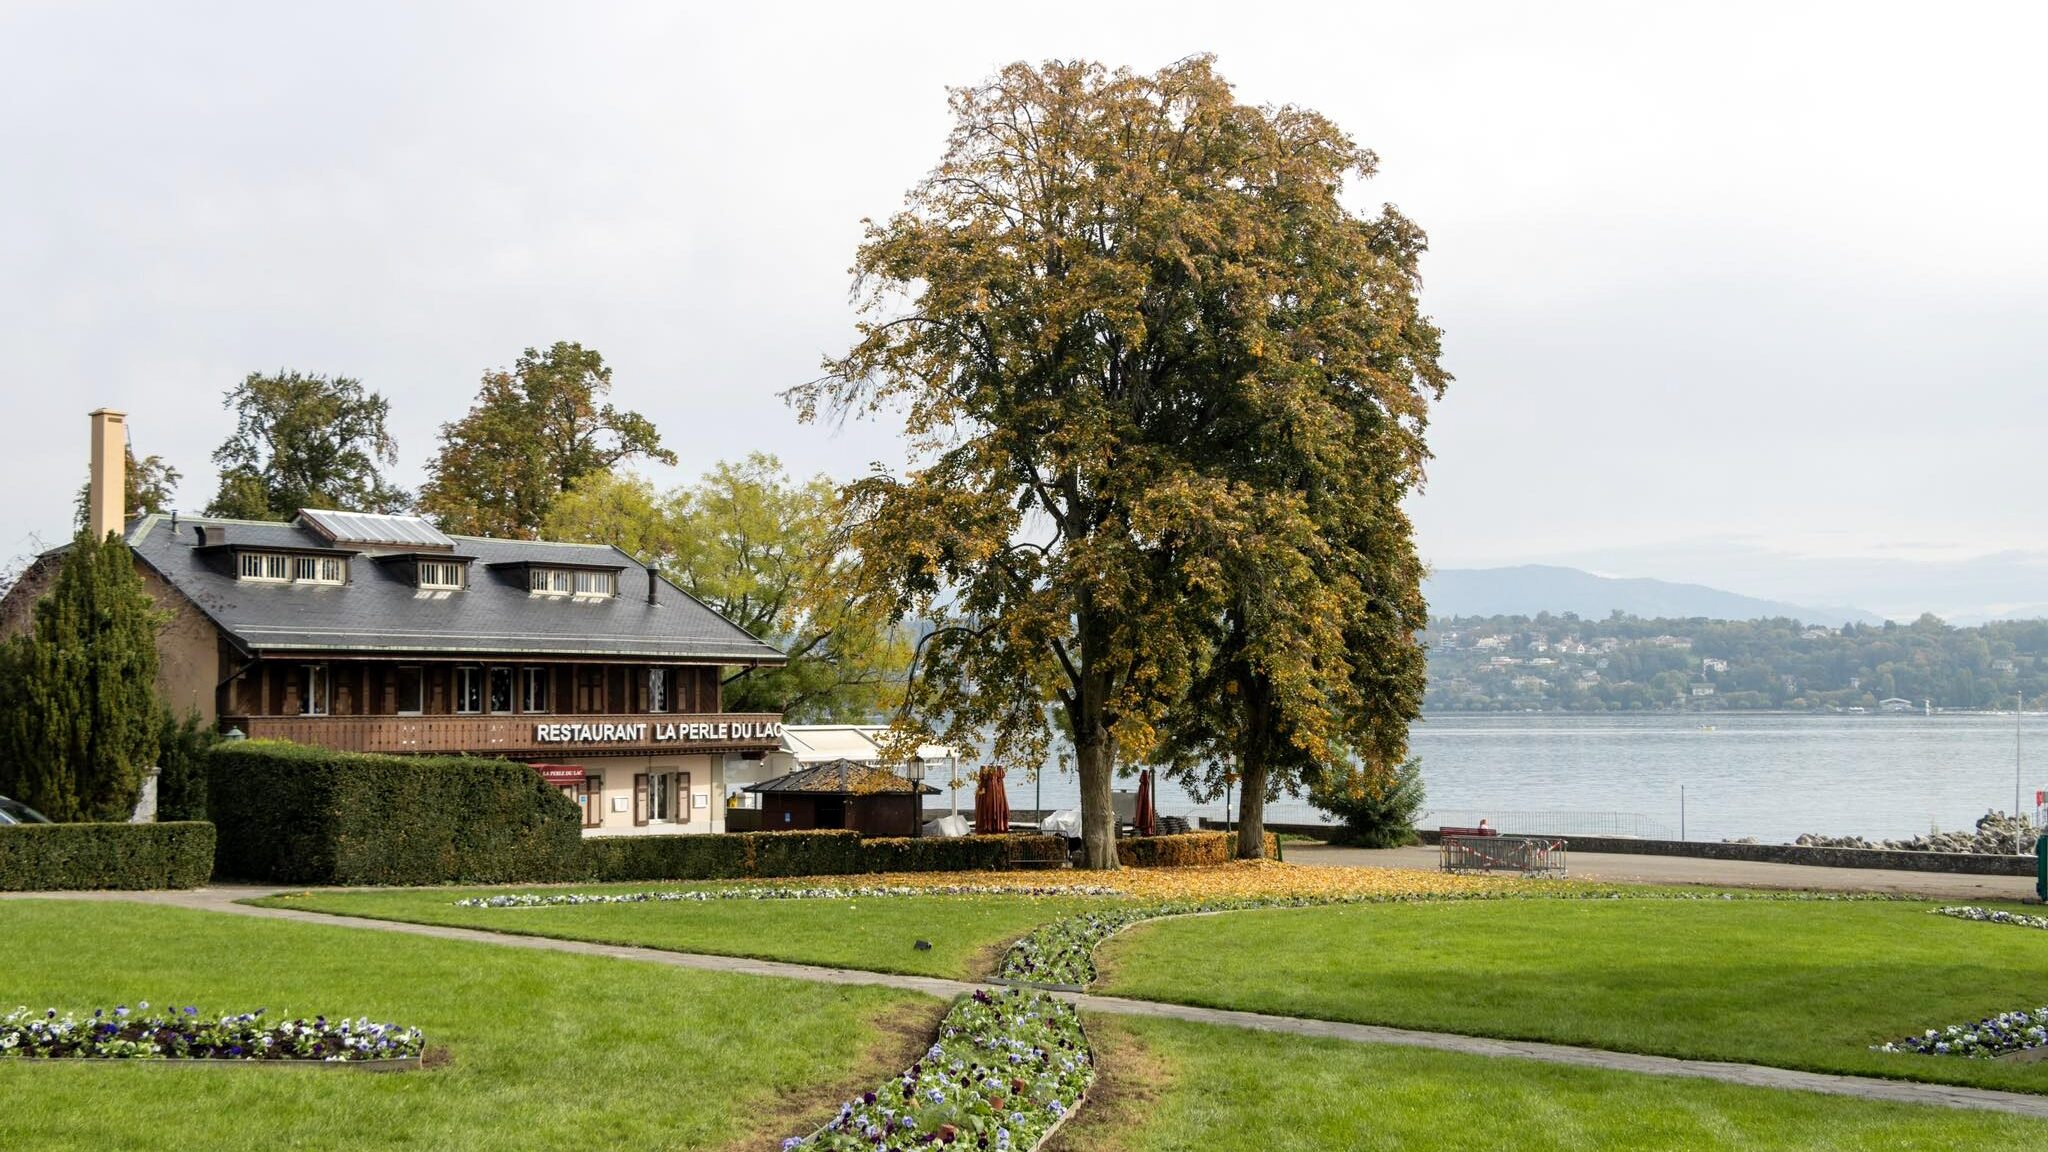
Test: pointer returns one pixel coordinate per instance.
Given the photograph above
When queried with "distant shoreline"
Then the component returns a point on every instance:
(1915, 714)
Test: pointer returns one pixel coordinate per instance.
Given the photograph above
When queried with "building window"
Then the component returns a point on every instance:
(564, 581)
(501, 689)
(266, 566)
(661, 798)
(533, 689)
(590, 689)
(469, 689)
(313, 692)
(282, 568)
(441, 575)
(318, 570)
(657, 689)
(411, 690)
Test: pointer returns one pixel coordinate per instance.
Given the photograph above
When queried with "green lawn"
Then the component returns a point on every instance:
(1168, 1086)
(1795, 984)
(543, 1051)
(880, 934)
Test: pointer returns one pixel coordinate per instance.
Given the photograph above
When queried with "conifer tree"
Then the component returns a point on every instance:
(79, 717)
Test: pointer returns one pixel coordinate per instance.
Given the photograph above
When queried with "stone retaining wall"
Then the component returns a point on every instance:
(1955, 862)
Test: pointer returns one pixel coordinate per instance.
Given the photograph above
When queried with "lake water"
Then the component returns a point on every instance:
(1772, 777)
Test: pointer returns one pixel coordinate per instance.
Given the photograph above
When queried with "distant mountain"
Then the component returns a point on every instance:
(1900, 582)
(1527, 589)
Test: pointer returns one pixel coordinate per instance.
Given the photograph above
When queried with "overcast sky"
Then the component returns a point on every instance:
(1768, 280)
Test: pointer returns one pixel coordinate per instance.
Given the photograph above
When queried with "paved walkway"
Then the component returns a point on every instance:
(1867, 1088)
(1718, 873)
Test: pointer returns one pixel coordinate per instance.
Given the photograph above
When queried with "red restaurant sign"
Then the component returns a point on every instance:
(560, 774)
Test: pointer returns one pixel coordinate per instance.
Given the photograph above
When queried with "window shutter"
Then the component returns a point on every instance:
(683, 794)
(639, 799)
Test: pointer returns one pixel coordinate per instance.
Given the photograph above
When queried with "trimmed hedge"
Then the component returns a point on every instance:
(721, 855)
(1185, 850)
(297, 814)
(65, 857)
(959, 853)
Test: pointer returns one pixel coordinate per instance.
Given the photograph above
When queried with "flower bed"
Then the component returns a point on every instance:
(186, 1034)
(1062, 953)
(1006, 1068)
(1993, 1036)
(706, 895)
(1993, 916)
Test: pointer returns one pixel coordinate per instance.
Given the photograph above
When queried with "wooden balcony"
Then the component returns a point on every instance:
(525, 736)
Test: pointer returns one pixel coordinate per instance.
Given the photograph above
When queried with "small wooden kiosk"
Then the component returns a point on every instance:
(848, 794)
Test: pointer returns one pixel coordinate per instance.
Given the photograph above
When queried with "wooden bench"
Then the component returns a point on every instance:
(1468, 831)
(1474, 850)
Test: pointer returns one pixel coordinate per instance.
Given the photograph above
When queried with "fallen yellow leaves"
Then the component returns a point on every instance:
(1244, 880)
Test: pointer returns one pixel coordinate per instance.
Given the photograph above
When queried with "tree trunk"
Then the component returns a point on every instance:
(1095, 759)
(1094, 749)
(1251, 820)
(1252, 772)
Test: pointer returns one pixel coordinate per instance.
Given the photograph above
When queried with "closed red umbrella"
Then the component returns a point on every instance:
(1146, 818)
(984, 817)
(998, 802)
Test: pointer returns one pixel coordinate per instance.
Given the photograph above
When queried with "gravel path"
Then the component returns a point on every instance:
(1716, 873)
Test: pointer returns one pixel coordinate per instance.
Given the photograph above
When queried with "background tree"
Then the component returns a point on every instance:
(1067, 313)
(79, 717)
(151, 484)
(534, 433)
(1378, 806)
(181, 754)
(305, 442)
(758, 548)
(1315, 646)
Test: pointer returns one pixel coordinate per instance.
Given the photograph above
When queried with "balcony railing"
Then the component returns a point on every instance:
(526, 735)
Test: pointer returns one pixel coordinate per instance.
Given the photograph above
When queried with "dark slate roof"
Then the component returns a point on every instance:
(380, 610)
(842, 778)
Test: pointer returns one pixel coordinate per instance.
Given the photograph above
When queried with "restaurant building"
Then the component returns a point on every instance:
(378, 633)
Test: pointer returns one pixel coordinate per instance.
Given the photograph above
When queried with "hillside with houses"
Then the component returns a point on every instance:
(1625, 663)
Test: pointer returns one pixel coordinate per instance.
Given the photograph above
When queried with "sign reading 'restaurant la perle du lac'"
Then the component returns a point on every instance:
(653, 733)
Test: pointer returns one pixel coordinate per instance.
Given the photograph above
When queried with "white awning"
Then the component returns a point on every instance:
(818, 743)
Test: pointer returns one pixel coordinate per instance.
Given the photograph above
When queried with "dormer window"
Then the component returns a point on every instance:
(266, 566)
(285, 568)
(440, 575)
(572, 582)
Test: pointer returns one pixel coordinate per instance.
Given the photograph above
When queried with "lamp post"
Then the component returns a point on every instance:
(2019, 711)
(915, 770)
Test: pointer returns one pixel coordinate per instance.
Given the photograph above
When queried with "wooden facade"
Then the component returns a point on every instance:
(277, 687)
(884, 814)
(494, 708)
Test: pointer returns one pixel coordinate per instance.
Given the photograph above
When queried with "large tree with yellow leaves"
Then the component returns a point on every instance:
(1130, 328)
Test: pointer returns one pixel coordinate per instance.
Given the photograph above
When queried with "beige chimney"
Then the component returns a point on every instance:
(103, 503)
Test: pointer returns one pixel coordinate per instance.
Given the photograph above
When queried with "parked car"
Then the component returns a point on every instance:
(15, 812)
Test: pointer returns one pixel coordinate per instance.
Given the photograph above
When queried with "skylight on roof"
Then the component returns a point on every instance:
(375, 528)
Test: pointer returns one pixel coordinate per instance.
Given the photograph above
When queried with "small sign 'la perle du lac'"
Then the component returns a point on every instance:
(651, 733)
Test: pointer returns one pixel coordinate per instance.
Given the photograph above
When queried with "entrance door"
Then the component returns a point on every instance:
(830, 812)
